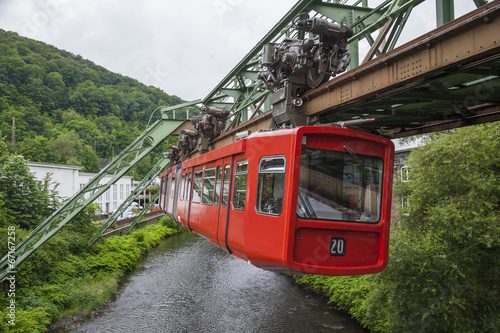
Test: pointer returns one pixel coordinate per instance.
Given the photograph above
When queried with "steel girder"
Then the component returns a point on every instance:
(155, 171)
(142, 213)
(148, 140)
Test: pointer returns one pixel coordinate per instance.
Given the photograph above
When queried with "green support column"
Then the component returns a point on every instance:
(142, 213)
(445, 11)
(155, 171)
(148, 140)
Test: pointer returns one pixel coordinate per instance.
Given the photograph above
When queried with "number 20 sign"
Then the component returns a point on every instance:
(337, 246)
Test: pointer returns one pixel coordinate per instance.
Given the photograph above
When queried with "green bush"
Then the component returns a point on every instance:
(443, 264)
(52, 283)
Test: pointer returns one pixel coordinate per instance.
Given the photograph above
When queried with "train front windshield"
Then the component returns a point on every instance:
(339, 186)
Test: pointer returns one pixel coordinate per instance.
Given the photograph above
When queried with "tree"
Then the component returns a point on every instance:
(89, 159)
(25, 199)
(37, 149)
(65, 146)
(444, 264)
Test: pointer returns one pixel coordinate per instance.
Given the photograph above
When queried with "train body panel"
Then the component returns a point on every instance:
(308, 199)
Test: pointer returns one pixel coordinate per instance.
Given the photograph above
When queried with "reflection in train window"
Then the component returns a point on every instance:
(339, 186)
(172, 187)
(208, 187)
(271, 185)
(183, 187)
(225, 188)
(188, 187)
(240, 185)
(218, 175)
(198, 178)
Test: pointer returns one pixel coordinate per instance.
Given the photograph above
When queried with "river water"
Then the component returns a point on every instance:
(188, 285)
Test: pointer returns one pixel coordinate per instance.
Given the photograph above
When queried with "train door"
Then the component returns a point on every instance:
(239, 208)
(183, 198)
(167, 193)
(163, 184)
(225, 174)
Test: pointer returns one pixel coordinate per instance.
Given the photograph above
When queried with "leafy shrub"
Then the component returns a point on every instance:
(443, 265)
(54, 282)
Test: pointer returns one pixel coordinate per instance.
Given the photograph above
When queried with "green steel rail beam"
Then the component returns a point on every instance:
(155, 171)
(142, 213)
(187, 106)
(148, 140)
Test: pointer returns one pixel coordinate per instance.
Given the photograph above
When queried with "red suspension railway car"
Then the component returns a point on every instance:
(308, 199)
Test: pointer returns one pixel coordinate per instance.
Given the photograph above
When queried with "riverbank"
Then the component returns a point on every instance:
(79, 284)
(188, 285)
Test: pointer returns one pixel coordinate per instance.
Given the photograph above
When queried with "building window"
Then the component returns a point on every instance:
(240, 185)
(405, 204)
(121, 191)
(115, 191)
(128, 190)
(108, 194)
(271, 185)
(115, 205)
(405, 174)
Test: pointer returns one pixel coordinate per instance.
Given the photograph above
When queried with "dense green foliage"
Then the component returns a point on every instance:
(61, 278)
(68, 110)
(444, 259)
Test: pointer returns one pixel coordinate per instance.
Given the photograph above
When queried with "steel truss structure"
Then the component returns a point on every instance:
(144, 144)
(155, 171)
(246, 97)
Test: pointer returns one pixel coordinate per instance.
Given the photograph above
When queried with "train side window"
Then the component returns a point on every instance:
(172, 187)
(169, 184)
(183, 187)
(240, 185)
(218, 175)
(208, 187)
(188, 189)
(271, 185)
(225, 188)
(163, 184)
(198, 178)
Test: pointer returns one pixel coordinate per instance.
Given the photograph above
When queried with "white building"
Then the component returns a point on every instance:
(71, 180)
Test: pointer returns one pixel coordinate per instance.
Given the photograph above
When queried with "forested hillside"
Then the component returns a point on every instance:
(67, 109)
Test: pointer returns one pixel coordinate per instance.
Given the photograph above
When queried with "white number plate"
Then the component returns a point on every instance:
(337, 246)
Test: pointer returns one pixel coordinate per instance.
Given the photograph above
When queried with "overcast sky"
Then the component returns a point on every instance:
(183, 47)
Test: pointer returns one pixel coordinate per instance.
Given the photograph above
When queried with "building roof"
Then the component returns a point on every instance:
(53, 166)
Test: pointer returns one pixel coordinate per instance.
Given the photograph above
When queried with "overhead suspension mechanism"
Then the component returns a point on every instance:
(294, 66)
(187, 142)
(209, 124)
(174, 154)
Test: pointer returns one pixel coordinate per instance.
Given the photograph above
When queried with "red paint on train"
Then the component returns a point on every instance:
(308, 199)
